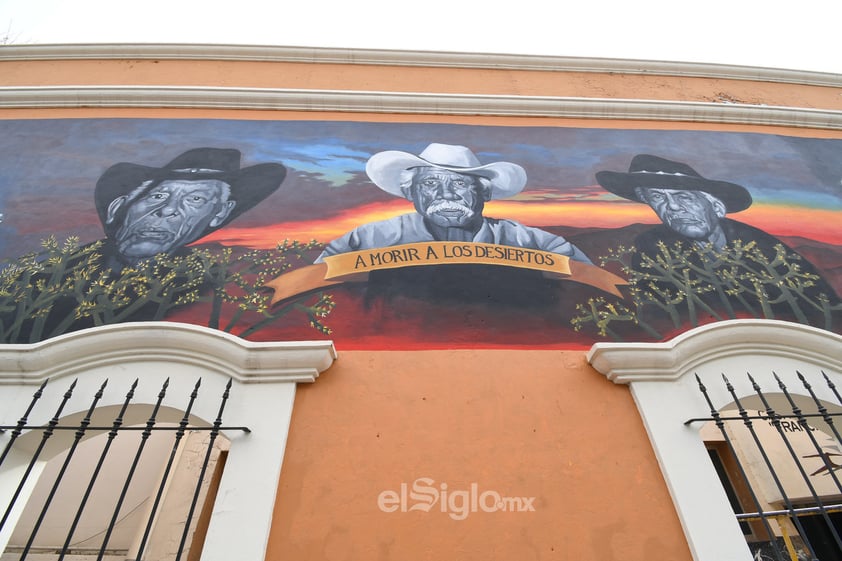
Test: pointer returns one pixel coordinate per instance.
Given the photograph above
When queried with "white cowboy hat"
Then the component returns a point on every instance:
(385, 168)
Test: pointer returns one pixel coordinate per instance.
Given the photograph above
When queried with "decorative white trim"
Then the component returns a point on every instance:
(380, 57)
(658, 375)
(169, 342)
(411, 103)
(624, 363)
(263, 375)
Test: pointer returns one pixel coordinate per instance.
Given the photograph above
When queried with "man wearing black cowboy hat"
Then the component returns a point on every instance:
(690, 207)
(693, 211)
(148, 210)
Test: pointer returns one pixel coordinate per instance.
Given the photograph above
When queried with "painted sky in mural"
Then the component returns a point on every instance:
(648, 280)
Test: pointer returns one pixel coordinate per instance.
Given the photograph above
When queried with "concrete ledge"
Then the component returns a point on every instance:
(381, 57)
(624, 363)
(165, 342)
(411, 103)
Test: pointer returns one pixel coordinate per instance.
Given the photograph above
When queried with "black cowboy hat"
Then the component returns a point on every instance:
(652, 171)
(249, 186)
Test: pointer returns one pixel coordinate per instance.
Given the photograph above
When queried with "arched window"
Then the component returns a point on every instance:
(664, 380)
(254, 383)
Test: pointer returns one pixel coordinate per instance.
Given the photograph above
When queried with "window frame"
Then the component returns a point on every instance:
(661, 379)
(264, 376)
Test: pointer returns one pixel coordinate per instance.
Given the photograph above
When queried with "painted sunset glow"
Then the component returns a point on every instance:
(781, 220)
(49, 170)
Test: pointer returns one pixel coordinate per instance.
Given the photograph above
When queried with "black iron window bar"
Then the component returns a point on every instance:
(113, 430)
(775, 418)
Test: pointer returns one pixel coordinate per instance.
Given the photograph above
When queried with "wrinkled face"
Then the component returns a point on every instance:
(169, 216)
(689, 213)
(447, 198)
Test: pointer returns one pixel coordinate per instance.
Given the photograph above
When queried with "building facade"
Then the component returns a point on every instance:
(444, 305)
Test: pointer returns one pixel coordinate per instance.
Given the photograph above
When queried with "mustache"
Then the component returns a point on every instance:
(683, 218)
(440, 206)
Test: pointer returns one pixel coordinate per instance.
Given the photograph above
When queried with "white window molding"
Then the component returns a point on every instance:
(662, 382)
(264, 377)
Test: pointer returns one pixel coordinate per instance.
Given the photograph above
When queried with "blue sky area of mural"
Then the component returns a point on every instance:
(48, 168)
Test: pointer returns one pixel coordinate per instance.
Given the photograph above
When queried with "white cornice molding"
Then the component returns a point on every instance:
(381, 57)
(411, 103)
(176, 343)
(624, 363)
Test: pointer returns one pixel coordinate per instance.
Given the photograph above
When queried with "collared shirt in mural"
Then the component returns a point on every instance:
(410, 228)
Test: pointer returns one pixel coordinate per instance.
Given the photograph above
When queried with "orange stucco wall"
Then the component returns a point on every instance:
(394, 78)
(411, 79)
(538, 424)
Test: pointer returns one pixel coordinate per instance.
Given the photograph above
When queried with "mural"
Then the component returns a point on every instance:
(413, 235)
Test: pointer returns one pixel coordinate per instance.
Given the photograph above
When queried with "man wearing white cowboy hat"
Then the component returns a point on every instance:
(449, 188)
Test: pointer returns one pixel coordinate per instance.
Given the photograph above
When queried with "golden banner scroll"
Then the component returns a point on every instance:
(355, 266)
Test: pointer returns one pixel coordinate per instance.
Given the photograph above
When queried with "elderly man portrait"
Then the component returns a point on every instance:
(693, 210)
(147, 211)
(449, 187)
